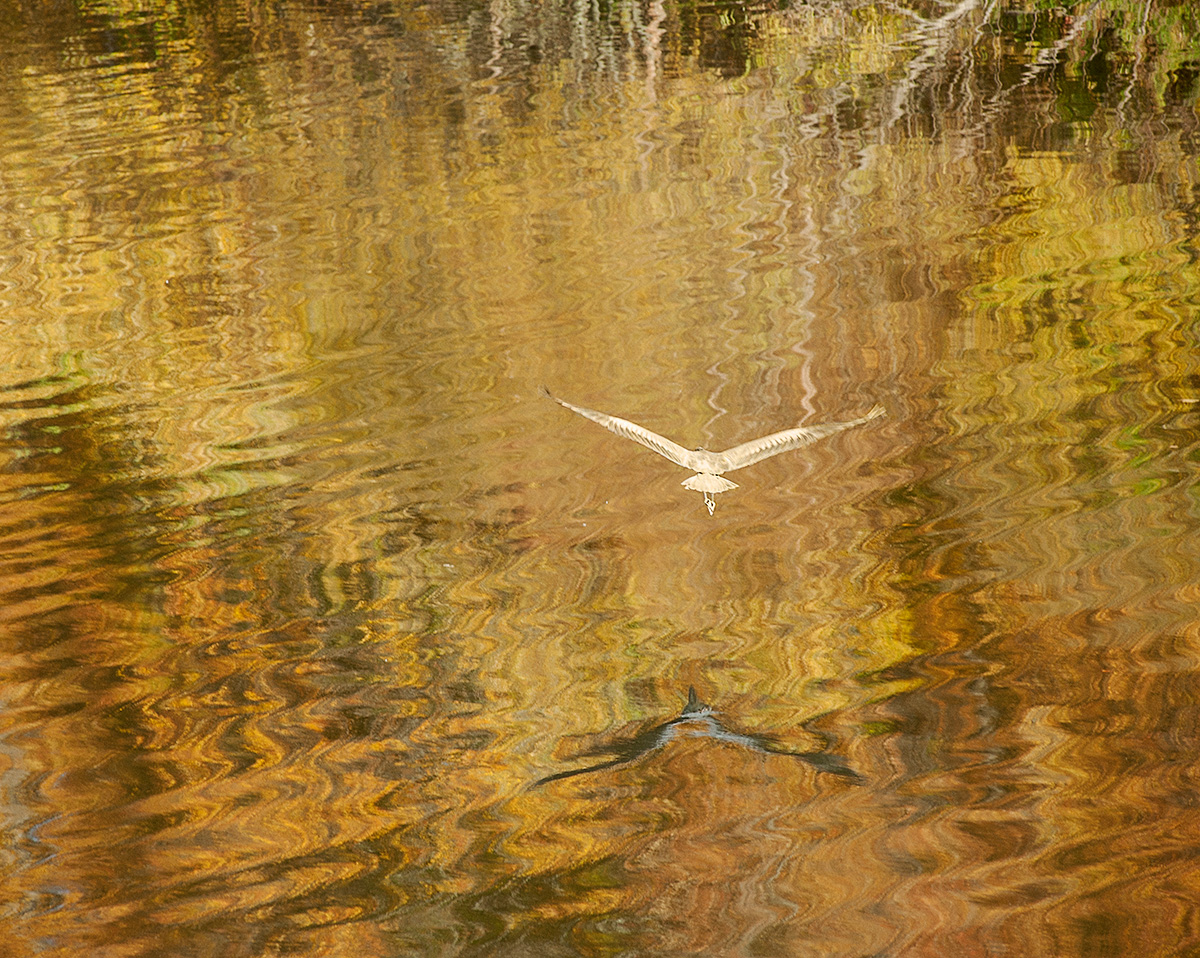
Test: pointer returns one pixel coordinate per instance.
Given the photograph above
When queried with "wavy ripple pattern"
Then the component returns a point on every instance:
(308, 599)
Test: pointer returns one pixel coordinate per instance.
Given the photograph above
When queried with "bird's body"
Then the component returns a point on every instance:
(710, 466)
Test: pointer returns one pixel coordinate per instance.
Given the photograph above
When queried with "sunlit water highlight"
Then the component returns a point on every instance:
(312, 604)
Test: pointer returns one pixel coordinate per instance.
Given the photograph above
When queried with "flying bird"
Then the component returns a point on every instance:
(710, 466)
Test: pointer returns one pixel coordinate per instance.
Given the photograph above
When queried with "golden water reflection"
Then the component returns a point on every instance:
(306, 589)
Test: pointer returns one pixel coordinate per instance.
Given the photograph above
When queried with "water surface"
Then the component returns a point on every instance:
(309, 598)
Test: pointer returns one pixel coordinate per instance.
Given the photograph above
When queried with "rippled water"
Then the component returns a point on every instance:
(324, 633)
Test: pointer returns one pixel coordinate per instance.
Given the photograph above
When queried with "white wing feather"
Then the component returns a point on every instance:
(631, 430)
(757, 450)
(715, 463)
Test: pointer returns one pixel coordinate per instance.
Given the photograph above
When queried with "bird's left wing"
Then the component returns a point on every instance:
(631, 430)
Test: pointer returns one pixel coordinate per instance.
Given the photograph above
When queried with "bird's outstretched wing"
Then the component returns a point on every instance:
(756, 450)
(631, 430)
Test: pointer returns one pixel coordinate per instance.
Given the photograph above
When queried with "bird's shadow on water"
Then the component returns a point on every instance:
(700, 721)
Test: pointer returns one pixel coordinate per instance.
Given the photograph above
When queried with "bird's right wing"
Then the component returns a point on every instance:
(631, 430)
(758, 449)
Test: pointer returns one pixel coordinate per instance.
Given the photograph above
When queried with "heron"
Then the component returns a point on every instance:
(709, 467)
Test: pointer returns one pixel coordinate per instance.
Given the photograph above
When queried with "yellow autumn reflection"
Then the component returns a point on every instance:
(312, 604)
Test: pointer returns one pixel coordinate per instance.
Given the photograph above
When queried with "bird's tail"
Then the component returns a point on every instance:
(703, 482)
